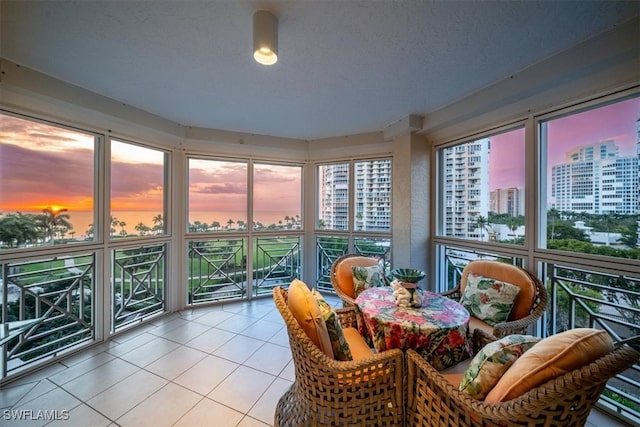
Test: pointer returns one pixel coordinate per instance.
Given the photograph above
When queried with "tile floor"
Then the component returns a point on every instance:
(218, 366)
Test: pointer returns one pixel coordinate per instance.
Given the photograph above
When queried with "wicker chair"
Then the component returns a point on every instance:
(342, 275)
(528, 307)
(364, 392)
(564, 401)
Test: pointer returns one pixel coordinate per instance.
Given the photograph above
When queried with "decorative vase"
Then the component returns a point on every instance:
(405, 286)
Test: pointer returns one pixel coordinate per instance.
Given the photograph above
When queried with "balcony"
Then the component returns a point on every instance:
(223, 365)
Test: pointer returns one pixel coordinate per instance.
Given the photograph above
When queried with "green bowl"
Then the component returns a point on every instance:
(410, 275)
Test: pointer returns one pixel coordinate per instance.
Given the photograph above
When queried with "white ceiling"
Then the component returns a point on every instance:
(344, 67)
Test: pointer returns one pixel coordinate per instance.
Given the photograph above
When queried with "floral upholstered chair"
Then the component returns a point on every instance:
(502, 299)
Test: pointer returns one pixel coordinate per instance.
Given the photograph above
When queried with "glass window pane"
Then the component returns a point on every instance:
(372, 210)
(46, 184)
(137, 190)
(483, 190)
(277, 197)
(217, 196)
(333, 193)
(591, 168)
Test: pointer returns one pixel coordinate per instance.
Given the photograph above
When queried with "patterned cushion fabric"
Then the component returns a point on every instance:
(339, 344)
(488, 299)
(550, 358)
(492, 361)
(367, 277)
(305, 309)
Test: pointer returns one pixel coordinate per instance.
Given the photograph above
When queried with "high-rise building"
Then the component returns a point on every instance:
(507, 201)
(372, 199)
(373, 195)
(595, 179)
(334, 196)
(466, 176)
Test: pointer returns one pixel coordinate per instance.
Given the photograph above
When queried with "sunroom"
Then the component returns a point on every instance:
(124, 222)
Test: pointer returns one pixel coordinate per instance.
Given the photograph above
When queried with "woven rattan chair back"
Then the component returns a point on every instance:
(326, 392)
(564, 401)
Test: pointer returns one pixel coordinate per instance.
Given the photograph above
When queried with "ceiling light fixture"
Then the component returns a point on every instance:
(265, 37)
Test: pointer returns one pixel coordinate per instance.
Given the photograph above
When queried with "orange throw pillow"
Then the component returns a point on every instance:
(305, 309)
(550, 358)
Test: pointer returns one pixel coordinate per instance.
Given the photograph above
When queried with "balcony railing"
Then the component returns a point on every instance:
(138, 284)
(60, 293)
(218, 268)
(329, 248)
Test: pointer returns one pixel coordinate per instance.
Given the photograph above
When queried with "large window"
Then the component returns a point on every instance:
(277, 197)
(137, 190)
(249, 260)
(217, 195)
(483, 188)
(591, 200)
(370, 208)
(333, 197)
(353, 213)
(46, 184)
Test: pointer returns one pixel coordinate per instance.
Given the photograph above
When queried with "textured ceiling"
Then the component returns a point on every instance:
(344, 67)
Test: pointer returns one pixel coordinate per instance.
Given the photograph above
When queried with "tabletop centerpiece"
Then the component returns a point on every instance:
(405, 285)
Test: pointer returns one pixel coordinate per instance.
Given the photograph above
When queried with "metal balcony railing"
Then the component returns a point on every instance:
(57, 291)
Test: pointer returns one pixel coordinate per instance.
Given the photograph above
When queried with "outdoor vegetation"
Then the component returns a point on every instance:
(562, 233)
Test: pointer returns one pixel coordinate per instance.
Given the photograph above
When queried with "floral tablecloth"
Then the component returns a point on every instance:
(437, 330)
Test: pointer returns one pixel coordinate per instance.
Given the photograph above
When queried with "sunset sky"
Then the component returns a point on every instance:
(616, 122)
(42, 166)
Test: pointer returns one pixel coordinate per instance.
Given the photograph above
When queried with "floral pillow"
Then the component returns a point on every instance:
(367, 277)
(339, 343)
(488, 366)
(489, 299)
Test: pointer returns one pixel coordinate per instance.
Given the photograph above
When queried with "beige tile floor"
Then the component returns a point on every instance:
(220, 366)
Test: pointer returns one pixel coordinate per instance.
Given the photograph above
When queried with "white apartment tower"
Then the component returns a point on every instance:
(466, 176)
(594, 179)
(372, 198)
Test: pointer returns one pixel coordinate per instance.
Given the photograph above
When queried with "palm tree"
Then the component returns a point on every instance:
(54, 220)
(512, 224)
(215, 225)
(230, 222)
(483, 224)
(142, 228)
(114, 224)
(158, 223)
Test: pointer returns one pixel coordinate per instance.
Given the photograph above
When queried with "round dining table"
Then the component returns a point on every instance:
(437, 329)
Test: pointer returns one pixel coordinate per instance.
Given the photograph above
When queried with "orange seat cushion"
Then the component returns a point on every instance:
(550, 358)
(305, 309)
(357, 344)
